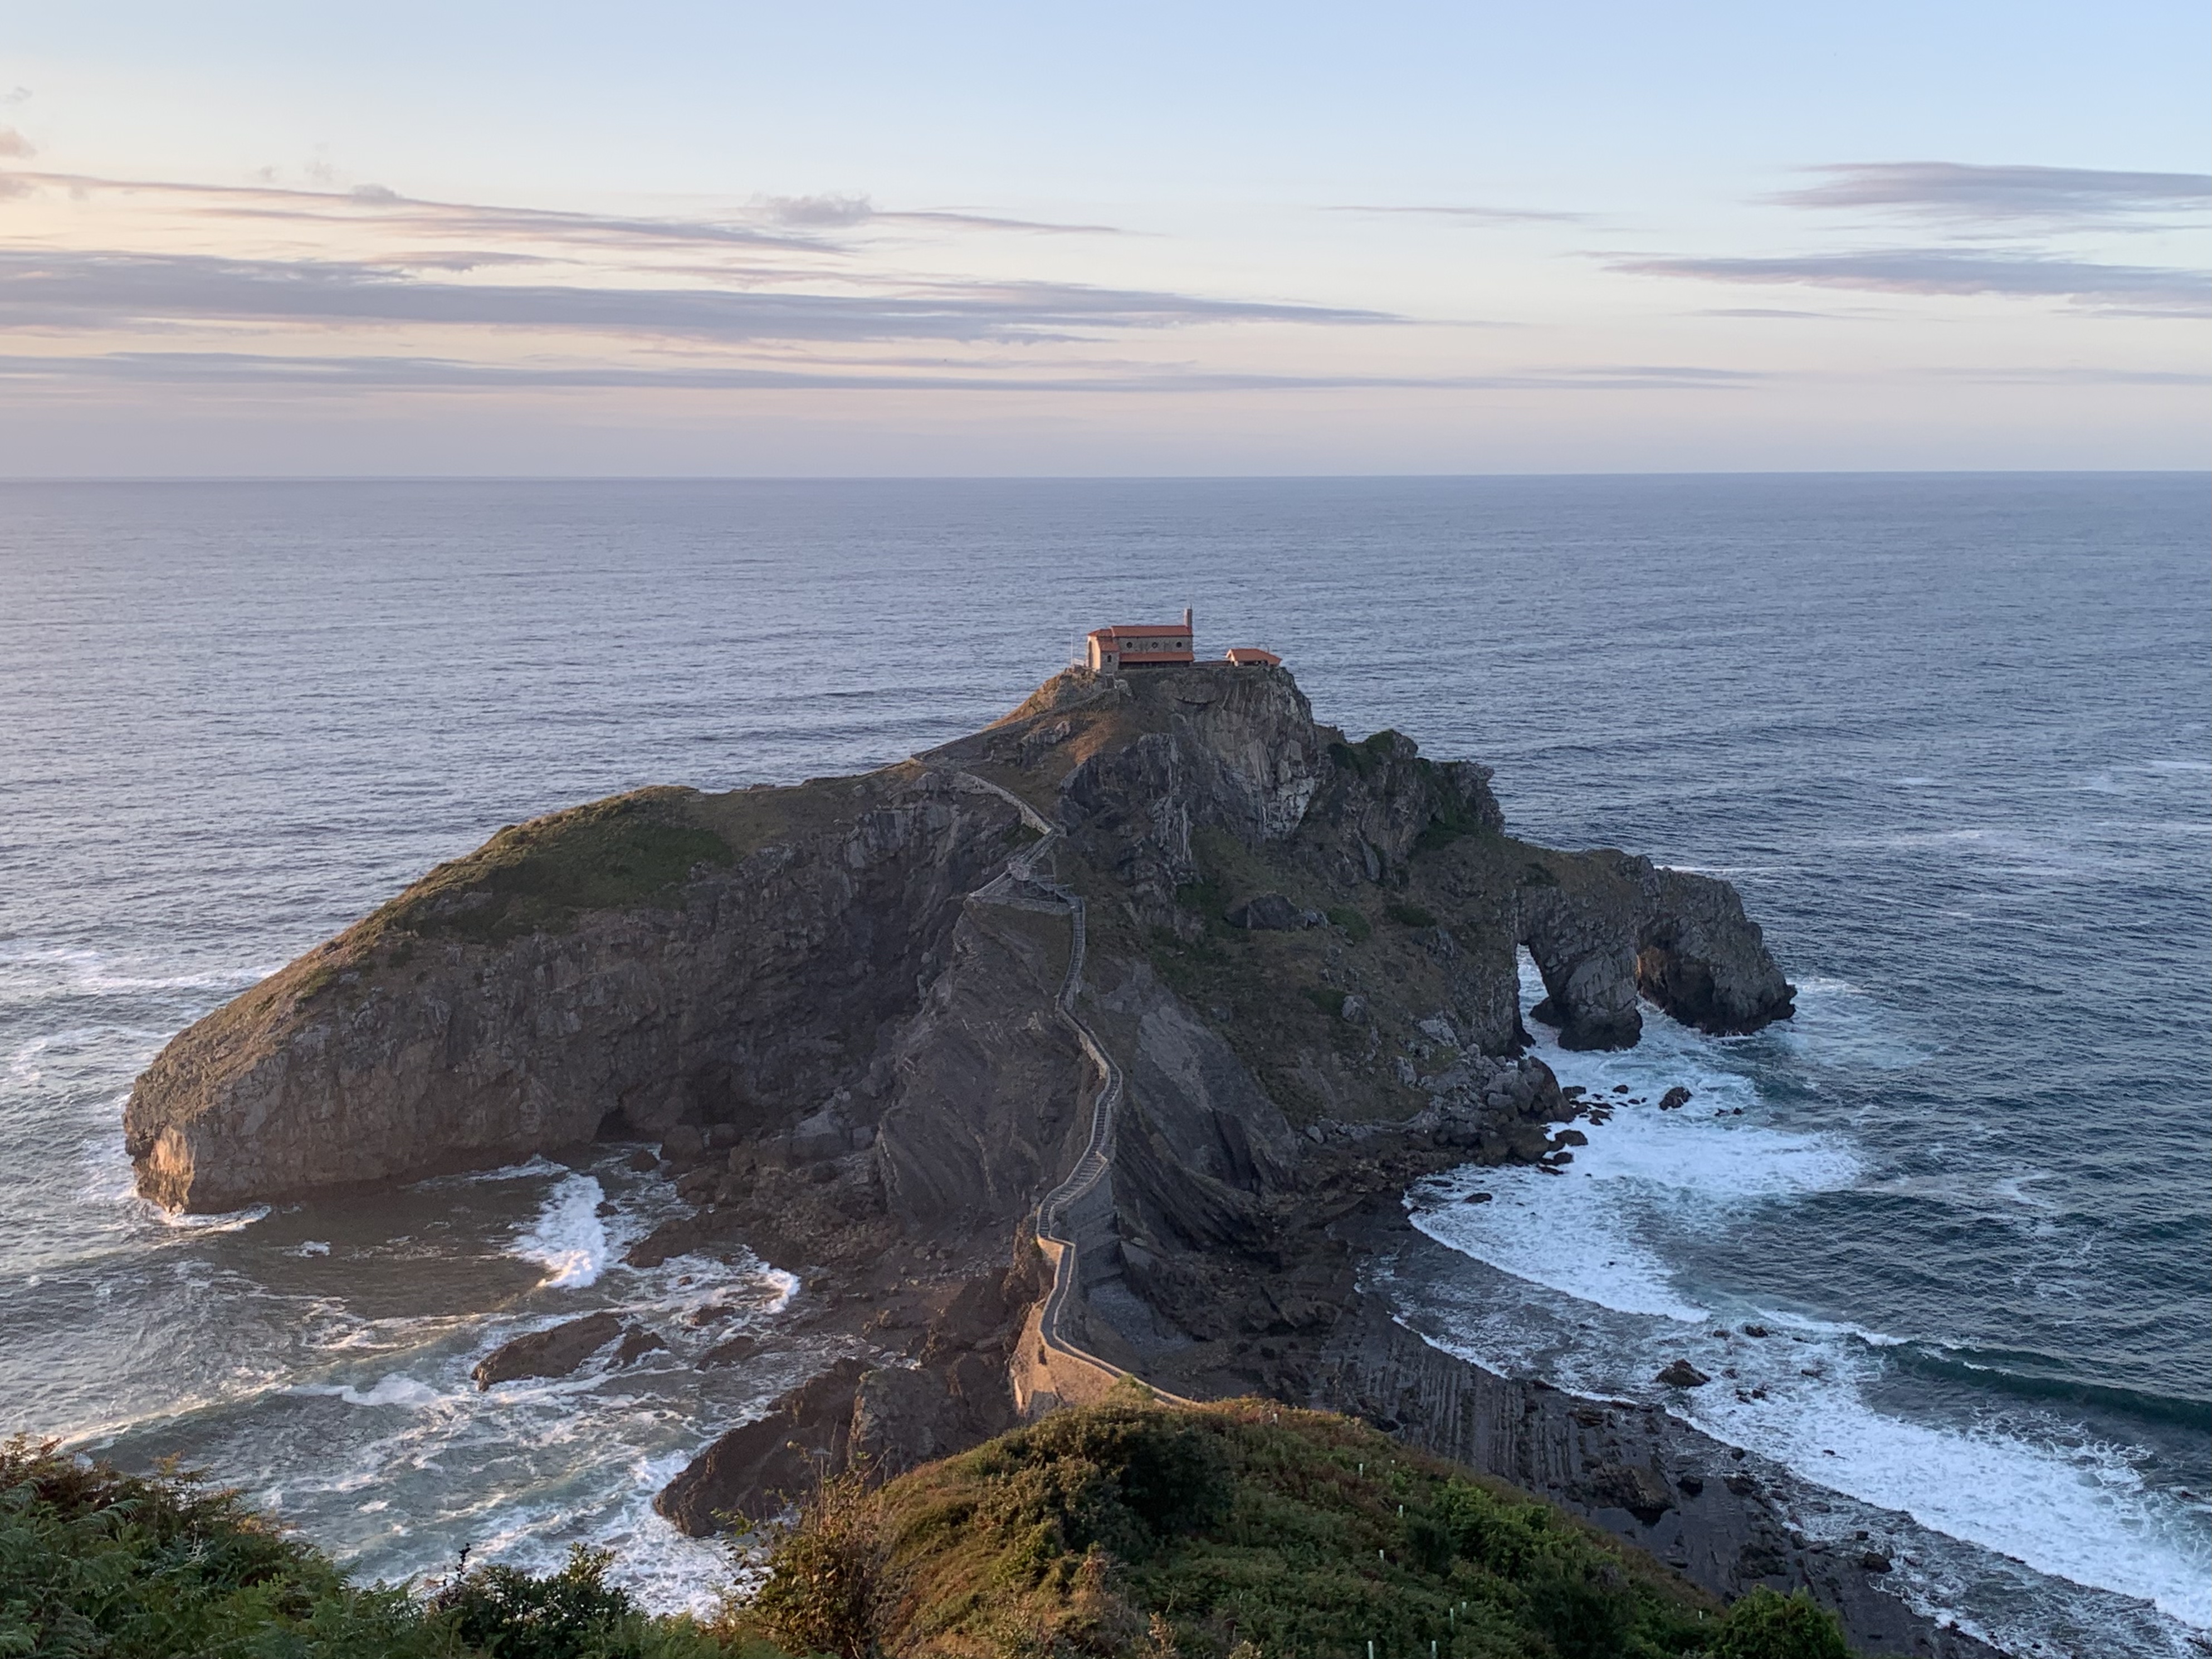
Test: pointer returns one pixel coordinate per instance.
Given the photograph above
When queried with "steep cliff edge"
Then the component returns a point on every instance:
(658, 959)
(840, 1022)
(772, 962)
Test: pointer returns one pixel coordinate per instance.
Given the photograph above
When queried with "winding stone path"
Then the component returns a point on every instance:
(1050, 1369)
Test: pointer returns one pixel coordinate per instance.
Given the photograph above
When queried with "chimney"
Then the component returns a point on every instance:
(1186, 622)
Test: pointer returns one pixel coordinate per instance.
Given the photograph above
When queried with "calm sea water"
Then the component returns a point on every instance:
(1949, 735)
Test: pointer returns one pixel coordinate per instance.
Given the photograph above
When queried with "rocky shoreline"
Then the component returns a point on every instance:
(854, 1019)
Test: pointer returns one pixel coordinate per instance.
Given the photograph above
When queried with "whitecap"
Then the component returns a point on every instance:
(393, 1388)
(569, 1239)
(229, 1221)
(533, 1167)
(310, 1247)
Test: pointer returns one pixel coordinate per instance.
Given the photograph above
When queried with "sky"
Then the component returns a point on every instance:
(870, 239)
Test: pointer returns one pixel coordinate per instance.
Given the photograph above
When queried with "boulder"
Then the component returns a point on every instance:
(1683, 1375)
(548, 1353)
(1270, 912)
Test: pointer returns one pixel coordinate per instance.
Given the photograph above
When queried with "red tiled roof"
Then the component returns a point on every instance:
(1127, 628)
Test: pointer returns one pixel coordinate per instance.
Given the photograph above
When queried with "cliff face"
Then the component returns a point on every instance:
(718, 960)
(803, 968)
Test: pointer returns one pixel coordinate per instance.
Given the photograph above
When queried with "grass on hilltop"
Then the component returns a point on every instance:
(1241, 1530)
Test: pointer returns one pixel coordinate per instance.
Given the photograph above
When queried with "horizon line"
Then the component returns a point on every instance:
(1092, 477)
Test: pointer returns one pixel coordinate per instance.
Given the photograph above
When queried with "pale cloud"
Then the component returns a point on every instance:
(2142, 289)
(219, 368)
(14, 145)
(1998, 195)
(98, 289)
(851, 212)
(1473, 215)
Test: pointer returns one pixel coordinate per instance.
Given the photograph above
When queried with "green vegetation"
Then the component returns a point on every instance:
(1326, 998)
(1366, 756)
(1352, 922)
(1409, 915)
(633, 849)
(1765, 1626)
(1241, 1530)
(95, 1564)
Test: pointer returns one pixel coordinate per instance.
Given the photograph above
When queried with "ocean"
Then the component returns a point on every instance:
(1948, 734)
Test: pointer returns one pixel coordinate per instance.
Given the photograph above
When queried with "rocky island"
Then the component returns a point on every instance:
(1100, 1043)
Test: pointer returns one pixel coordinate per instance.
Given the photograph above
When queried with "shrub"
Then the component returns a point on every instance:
(824, 1569)
(1765, 1625)
(1352, 922)
(1328, 1000)
(95, 1564)
(575, 1614)
(1409, 915)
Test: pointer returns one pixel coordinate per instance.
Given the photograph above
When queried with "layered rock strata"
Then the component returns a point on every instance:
(1302, 960)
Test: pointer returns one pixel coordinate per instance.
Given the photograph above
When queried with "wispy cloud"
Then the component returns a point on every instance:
(1471, 215)
(849, 212)
(2003, 195)
(1764, 310)
(2150, 289)
(14, 146)
(94, 290)
(215, 368)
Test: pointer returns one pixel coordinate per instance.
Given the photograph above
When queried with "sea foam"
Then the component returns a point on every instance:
(567, 1238)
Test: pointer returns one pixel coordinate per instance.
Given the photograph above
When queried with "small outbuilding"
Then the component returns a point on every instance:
(1251, 656)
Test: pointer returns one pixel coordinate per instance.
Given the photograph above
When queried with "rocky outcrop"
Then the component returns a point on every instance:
(800, 970)
(477, 1019)
(1607, 929)
(555, 1352)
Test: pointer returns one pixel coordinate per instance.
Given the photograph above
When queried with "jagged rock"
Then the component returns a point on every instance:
(548, 1353)
(1683, 1375)
(734, 1351)
(750, 1471)
(1639, 1491)
(636, 1343)
(780, 976)
(1674, 1099)
(1270, 912)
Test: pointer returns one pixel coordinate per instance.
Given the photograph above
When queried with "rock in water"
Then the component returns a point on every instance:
(1683, 1375)
(548, 1353)
(1674, 1099)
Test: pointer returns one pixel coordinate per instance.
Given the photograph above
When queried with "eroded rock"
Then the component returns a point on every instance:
(555, 1352)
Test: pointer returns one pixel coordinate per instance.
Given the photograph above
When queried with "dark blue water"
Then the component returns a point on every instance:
(1949, 735)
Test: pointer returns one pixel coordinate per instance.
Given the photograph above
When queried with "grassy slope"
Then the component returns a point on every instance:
(1132, 1529)
(99, 1565)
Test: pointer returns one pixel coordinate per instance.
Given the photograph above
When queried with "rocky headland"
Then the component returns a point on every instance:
(1102, 1041)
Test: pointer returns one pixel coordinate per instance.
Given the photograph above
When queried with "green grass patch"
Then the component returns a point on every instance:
(1367, 755)
(629, 850)
(1326, 998)
(1126, 1527)
(1353, 922)
(1409, 915)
